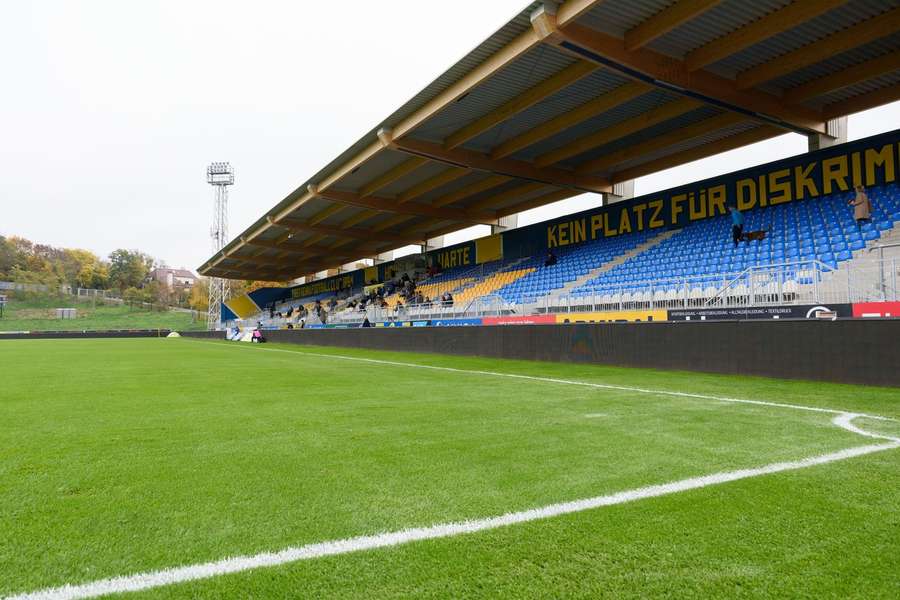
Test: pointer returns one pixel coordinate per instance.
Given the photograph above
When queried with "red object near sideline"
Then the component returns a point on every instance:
(876, 309)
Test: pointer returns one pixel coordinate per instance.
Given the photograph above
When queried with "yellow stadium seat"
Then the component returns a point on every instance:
(490, 284)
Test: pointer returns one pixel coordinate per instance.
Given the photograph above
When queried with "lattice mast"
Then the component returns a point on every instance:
(220, 175)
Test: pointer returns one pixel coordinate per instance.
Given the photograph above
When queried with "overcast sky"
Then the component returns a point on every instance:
(111, 110)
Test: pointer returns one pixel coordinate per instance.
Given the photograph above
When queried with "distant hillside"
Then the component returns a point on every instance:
(40, 315)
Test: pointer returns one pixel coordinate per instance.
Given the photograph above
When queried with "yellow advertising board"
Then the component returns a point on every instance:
(613, 316)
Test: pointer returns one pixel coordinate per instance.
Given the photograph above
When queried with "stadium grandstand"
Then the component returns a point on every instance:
(582, 97)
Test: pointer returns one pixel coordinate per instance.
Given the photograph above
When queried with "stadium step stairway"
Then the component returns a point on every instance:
(572, 262)
(597, 272)
(869, 279)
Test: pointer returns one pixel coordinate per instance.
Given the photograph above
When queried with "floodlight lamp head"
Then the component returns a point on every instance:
(220, 173)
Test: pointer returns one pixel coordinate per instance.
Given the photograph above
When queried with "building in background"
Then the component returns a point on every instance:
(173, 278)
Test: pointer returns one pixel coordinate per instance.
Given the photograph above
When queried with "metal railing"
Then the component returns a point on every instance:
(798, 283)
(807, 282)
(486, 306)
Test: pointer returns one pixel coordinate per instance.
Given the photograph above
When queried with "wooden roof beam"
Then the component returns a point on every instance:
(683, 134)
(665, 21)
(401, 170)
(862, 33)
(409, 208)
(432, 183)
(340, 232)
(548, 198)
(763, 132)
(762, 29)
(502, 197)
(672, 74)
(869, 69)
(465, 192)
(529, 98)
(292, 249)
(506, 167)
(620, 130)
(590, 109)
(863, 102)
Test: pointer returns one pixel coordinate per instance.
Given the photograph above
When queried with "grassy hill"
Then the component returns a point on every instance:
(40, 315)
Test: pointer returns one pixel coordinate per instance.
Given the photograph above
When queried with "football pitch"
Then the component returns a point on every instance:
(178, 468)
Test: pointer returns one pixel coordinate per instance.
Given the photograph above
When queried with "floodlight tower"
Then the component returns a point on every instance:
(219, 175)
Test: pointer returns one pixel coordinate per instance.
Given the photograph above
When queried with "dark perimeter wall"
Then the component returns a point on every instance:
(851, 351)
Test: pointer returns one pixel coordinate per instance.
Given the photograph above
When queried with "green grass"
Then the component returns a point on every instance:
(119, 456)
(39, 315)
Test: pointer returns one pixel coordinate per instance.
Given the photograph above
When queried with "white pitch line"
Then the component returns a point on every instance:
(164, 577)
(153, 579)
(603, 386)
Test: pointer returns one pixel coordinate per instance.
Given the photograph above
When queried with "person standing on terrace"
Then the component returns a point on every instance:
(862, 207)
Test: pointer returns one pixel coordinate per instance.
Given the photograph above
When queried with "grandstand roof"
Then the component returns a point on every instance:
(572, 97)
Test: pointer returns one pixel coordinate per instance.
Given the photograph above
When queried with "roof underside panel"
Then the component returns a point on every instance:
(531, 69)
(427, 171)
(645, 135)
(465, 181)
(840, 62)
(629, 110)
(688, 144)
(812, 31)
(509, 190)
(863, 88)
(724, 18)
(589, 88)
(377, 165)
(616, 17)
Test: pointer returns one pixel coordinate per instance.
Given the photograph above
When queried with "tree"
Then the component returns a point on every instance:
(128, 268)
(199, 299)
(84, 269)
(10, 257)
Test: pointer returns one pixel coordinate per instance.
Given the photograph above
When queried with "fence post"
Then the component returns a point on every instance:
(816, 283)
(894, 278)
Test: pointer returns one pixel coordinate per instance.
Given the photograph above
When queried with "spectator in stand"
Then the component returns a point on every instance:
(862, 207)
(447, 299)
(289, 312)
(737, 224)
(551, 259)
(332, 303)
